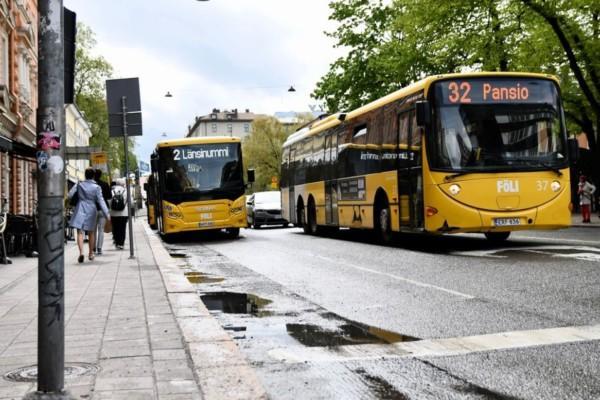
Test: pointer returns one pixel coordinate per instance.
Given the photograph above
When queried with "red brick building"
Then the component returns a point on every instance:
(18, 102)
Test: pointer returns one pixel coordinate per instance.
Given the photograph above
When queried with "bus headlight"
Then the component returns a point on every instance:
(555, 186)
(174, 215)
(454, 189)
(235, 210)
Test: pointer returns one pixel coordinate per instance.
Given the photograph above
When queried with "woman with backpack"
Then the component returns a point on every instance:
(88, 199)
(118, 212)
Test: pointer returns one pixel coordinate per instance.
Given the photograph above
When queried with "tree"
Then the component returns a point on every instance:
(91, 72)
(263, 148)
(393, 44)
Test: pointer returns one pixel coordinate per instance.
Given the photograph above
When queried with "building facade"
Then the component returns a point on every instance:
(78, 135)
(223, 123)
(18, 102)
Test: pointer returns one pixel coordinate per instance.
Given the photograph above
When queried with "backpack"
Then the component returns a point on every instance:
(118, 201)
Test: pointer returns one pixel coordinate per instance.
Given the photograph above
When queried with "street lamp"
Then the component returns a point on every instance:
(291, 89)
(169, 93)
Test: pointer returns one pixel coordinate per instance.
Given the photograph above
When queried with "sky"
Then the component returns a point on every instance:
(224, 54)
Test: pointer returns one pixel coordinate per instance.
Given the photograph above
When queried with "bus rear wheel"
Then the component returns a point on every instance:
(383, 223)
(497, 237)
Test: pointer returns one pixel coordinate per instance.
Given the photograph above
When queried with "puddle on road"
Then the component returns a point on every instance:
(382, 388)
(345, 335)
(178, 255)
(199, 277)
(236, 303)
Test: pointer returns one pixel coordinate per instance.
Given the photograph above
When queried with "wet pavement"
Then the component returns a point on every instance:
(297, 319)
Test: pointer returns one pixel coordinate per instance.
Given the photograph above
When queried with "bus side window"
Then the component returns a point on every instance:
(403, 128)
(415, 130)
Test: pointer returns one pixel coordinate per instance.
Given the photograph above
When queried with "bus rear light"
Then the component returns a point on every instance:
(431, 211)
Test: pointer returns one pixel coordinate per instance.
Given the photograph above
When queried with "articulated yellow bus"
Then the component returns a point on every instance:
(197, 184)
(476, 152)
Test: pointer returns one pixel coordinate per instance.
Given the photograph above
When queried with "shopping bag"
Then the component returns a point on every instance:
(108, 226)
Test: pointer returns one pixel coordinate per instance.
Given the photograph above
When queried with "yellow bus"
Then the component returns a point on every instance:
(469, 152)
(198, 184)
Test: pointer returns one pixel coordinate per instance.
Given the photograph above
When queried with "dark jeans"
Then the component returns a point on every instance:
(119, 225)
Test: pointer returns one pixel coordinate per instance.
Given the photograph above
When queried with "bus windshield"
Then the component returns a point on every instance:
(497, 124)
(201, 169)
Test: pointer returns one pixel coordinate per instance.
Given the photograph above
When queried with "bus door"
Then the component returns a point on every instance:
(331, 187)
(291, 185)
(410, 179)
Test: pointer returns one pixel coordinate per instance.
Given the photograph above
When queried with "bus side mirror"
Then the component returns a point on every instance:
(423, 113)
(573, 150)
(154, 164)
(145, 187)
(251, 176)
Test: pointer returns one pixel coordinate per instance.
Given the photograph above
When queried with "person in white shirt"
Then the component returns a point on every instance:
(118, 212)
(586, 194)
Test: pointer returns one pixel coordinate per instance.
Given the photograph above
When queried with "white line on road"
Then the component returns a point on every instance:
(397, 277)
(441, 347)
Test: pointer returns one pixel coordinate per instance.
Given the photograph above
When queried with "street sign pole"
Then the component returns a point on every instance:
(51, 189)
(126, 145)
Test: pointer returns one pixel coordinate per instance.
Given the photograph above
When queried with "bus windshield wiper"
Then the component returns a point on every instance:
(448, 178)
(538, 163)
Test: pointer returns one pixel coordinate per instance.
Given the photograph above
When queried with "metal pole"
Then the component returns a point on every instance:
(124, 111)
(51, 189)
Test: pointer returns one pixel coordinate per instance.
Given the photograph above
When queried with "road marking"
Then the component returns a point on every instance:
(440, 347)
(584, 253)
(544, 239)
(397, 277)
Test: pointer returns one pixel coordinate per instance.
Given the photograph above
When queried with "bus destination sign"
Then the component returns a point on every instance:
(467, 91)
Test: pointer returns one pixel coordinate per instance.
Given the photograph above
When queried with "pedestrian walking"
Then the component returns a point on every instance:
(101, 221)
(89, 199)
(118, 212)
(586, 194)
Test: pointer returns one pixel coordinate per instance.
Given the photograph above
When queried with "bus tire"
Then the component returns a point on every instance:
(497, 237)
(311, 218)
(153, 226)
(383, 221)
(233, 232)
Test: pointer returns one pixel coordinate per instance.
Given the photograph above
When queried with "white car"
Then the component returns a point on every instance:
(264, 208)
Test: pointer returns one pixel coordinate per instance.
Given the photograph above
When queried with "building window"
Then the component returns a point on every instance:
(24, 78)
(247, 128)
(229, 128)
(5, 62)
(214, 128)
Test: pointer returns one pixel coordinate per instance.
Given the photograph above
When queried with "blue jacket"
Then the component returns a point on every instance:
(90, 195)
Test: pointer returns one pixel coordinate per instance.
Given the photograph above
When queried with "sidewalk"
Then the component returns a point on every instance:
(138, 321)
(576, 221)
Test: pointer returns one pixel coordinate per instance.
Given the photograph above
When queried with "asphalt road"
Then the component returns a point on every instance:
(423, 290)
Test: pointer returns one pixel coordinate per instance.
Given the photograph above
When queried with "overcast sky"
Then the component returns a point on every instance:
(223, 54)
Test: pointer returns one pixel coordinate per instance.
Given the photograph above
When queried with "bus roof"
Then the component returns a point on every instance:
(424, 84)
(198, 140)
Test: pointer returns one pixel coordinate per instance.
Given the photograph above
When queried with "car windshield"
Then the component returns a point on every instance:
(267, 197)
(201, 168)
(506, 133)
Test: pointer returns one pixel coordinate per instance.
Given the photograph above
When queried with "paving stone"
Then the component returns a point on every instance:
(125, 395)
(169, 354)
(177, 386)
(167, 370)
(129, 383)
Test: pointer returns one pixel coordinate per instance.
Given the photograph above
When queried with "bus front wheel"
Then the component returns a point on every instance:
(233, 232)
(497, 237)
(310, 226)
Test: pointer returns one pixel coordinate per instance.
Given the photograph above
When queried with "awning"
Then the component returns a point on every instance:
(17, 148)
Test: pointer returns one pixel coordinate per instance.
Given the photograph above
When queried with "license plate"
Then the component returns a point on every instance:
(206, 223)
(507, 221)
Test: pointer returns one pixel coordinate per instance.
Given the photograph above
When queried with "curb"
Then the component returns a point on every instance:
(221, 370)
